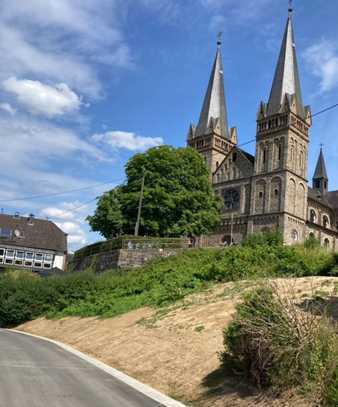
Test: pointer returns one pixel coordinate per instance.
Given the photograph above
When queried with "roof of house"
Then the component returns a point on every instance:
(31, 233)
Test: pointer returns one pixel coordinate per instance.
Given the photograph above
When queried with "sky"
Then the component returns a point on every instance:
(85, 84)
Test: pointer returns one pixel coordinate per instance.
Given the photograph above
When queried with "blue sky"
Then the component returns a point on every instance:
(84, 84)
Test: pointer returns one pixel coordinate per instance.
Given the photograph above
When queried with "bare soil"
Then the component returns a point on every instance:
(175, 349)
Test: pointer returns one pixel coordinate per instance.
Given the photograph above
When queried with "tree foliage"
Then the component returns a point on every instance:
(178, 196)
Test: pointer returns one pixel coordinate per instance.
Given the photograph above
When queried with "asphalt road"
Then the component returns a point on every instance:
(36, 373)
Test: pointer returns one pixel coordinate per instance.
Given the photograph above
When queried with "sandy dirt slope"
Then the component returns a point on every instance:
(175, 350)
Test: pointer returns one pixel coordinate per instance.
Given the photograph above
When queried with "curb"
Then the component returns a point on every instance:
(131, 382)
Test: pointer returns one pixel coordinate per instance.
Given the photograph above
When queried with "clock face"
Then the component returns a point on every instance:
(231, 198)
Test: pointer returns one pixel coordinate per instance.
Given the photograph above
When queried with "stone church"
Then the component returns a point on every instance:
(268, 191)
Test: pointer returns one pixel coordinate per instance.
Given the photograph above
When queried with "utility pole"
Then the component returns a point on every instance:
(139, 211)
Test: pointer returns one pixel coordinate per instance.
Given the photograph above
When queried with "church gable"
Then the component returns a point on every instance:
(238, 164)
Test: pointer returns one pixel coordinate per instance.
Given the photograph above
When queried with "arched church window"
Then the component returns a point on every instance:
(326, 222)
(231, 198)
(313, 216)
(234, 157)
(276, 192)
(327, 243)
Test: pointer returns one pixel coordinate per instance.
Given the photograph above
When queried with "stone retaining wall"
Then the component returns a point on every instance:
(119, 259)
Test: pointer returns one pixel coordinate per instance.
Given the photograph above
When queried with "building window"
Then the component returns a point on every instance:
(29, 256)
(47, 265)
(234, 157)
(37, 264)
(294, 235)
(18, 262)
(313, 216)
(276, 192)
(10, 253)
(49, 257)
(20, 255)
(327, 243)
(28, 263)
(5, 233)
(9, 261)
(326, 222)
(2, 252)
(38, 256)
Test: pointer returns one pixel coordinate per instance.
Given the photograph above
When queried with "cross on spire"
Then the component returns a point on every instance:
(219, 38)
(290, 6)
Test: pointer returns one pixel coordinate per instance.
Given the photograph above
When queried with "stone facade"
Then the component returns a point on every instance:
(268, 191)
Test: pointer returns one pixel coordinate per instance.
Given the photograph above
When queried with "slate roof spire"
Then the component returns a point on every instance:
(286, 81)
(214, 111)
(320, 172)
(320, 179)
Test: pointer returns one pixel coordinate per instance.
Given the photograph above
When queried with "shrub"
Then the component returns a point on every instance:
(158, 283)
(278, 346)
(269, 238)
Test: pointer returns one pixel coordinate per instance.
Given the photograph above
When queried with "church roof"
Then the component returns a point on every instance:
(320, 171)
(317, 196)
(249, 156)
(332, 197)
(286, 80)
(214, 105)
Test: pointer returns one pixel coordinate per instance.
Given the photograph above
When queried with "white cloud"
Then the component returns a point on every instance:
(6, 107)
(127, 141)
(62, 41)
(77, 240)
(322, 59)
(43, 99)
(57, 213)
(235, 11)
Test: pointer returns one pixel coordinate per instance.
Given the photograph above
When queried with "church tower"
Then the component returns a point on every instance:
(320, 180)
(279, 185)
(212, 137)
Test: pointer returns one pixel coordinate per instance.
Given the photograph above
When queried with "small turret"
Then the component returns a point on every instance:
(320, 180)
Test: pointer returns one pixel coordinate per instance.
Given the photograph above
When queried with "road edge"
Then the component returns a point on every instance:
(130, 381)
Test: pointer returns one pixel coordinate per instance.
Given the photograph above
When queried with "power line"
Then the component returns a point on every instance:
(324, 110)
(313, 115)
(57, 193)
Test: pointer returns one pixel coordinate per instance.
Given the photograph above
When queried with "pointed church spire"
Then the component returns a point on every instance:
(320, 178)
(320, 171)
(286, 83)
(214, 112)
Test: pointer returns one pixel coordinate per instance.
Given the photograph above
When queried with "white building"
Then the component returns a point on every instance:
(30, 243)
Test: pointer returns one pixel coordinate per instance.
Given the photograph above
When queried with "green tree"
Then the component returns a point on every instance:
(178, 197)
